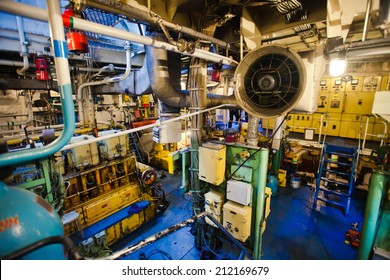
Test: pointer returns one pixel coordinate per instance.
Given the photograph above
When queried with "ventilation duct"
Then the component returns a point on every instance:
(269, 81)
(160, 75)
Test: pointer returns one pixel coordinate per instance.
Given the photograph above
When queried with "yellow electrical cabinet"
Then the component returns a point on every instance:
(336, 102)
(290, 121)
(237, 220)
(359, 102)
(385, 83)
(334, 122)
(324, 85)
(302, 121)
(354, 126)
(379, 130)
(337, 85)
(267, 123)
(355, 84)
(212, 163)
(323, 100)
(372, 83)
(213, 205)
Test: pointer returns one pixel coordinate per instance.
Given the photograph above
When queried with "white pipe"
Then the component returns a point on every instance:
(15, 63)
(365, 133)
(33, 128)
(107, 80)
(320, 132)
(366, 19)
(125, 132)
(84, 25)
(276, 141)
(23, 46)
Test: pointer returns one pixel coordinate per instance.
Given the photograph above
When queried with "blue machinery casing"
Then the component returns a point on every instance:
(25, 219)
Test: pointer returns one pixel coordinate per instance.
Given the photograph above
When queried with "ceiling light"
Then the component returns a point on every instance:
(337, 67)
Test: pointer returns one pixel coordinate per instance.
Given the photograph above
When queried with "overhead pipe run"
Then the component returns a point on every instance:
(84, 25)
(106, 80)
(157, 77)
(23, 46)
(133, 9)
(366, 19)
(64, 84)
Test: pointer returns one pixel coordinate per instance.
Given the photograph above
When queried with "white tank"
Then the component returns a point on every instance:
(83, 156)
(113, 147)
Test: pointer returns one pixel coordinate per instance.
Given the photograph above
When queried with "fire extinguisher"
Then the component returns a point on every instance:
(41, 69)
(76, 41)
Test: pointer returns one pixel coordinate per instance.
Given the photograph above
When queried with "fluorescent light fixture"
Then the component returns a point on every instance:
(337, 67)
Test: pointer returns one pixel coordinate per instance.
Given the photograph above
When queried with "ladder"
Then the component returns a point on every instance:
(335, 179)
(134, 137)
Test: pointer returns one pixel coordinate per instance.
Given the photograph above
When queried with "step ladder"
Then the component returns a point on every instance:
(335, 180)
(134, 138)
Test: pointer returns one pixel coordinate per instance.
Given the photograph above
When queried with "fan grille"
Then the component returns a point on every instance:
(269, 81)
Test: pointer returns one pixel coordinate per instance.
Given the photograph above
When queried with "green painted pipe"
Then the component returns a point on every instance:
(260, 202)
(276, 162)
(184, 171)
(377, 190)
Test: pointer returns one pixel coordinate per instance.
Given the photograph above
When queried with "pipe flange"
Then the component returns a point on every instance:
(181, 45)
(191, 47)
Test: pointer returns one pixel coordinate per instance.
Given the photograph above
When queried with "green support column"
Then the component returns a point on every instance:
(378, 189)
(260, 202)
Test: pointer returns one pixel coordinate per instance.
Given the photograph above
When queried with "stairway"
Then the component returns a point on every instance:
(134, 138)
(335, 180)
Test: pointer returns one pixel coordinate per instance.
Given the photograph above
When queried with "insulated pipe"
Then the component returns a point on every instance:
(65, 89)
(252, 133)
(160, 82)
(260, 201)
(367, 18)
(104, 81)
(131, 10)
(84, 25)
(379, 185)
(23, 46)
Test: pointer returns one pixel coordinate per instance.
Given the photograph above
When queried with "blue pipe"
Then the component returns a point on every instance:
(65, 89)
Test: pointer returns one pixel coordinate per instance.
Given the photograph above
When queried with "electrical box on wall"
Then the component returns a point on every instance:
(213, 205)
(240, 192)
(212, 163)
(241, 173)
(237, 220)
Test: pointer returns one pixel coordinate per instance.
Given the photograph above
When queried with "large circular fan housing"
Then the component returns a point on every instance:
(269, 81)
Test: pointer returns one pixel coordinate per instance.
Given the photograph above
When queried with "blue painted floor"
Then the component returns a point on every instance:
(293, 231)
